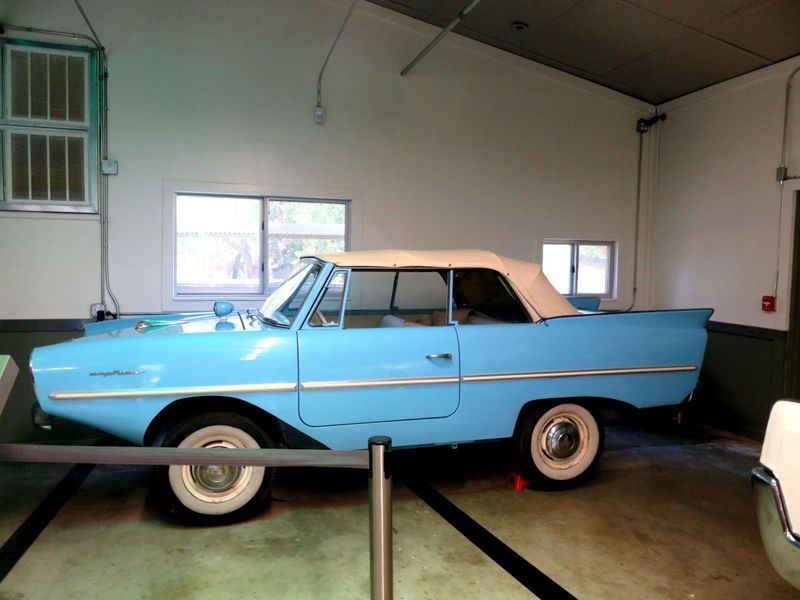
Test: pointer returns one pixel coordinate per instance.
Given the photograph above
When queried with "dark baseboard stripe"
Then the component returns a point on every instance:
(30, 325)
(760, 333)
(514, 564)
(25, 535)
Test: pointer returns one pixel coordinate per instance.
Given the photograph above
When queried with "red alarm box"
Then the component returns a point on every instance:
(768, 303)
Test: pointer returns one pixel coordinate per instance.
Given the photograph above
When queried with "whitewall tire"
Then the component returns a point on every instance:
(217, 493)
(559, 446)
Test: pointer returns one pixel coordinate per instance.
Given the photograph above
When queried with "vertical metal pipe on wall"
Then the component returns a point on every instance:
(782, 170)
(380, 519)
(783, 176)
(102, 178)
(642, 127)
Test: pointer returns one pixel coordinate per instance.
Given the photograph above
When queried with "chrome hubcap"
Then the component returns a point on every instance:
(215, 477)
(216, 483)
(562, 440)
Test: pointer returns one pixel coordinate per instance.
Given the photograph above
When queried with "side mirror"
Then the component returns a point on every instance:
(223, 309)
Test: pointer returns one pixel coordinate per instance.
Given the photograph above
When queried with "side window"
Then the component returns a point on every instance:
(421, 293)
(329, 310)
(483, 297)
(402, 298)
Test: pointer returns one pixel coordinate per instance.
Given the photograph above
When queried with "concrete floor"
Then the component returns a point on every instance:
(669, 515)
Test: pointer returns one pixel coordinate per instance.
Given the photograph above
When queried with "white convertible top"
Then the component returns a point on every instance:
(536, 292)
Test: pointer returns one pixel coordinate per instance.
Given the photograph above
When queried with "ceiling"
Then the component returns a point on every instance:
(655, 50)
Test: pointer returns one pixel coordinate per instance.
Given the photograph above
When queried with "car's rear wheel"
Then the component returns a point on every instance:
(216, 493)
(559, 446)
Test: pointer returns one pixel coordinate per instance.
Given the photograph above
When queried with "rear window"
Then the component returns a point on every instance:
(487, 294)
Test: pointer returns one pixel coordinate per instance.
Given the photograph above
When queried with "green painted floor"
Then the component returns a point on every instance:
(669, 515)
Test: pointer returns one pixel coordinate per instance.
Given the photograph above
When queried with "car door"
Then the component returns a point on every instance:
(498, 341)
(379, 347)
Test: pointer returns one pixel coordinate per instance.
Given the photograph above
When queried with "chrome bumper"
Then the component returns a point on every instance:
(781, 544)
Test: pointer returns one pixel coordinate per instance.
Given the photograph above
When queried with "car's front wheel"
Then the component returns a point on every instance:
(559, 446)
(216, 493)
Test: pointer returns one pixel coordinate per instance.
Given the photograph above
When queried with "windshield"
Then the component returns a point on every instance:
(280, 307)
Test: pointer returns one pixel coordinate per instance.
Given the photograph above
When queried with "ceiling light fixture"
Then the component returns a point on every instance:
(520, 25)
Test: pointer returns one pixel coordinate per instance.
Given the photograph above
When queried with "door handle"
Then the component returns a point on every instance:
(445, 355)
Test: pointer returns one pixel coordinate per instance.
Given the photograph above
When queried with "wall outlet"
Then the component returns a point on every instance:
(768, 303)
(97, 308)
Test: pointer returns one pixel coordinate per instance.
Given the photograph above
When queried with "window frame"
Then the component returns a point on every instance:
(219, 293)
(267, 198)
(512, 293)
(264, 285)
(335, 271)
(347, 298)
(89, 129)
(611, 275)
(449, 282)
(5, 134)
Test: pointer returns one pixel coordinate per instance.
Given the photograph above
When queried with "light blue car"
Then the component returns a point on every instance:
(426, 347)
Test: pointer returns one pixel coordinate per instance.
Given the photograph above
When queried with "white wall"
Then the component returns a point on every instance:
(715, 224)
(474, 148)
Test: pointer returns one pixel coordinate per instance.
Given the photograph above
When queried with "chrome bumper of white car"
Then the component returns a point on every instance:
(781, 544)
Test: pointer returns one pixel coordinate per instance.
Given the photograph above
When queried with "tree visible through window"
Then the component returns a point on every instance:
(248, 245)
(300, 228)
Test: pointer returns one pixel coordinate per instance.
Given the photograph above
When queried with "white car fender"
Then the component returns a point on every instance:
(781, 455)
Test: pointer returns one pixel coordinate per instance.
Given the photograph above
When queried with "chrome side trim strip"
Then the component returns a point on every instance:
(576, 373)
(345, 384)
(252, 388)
(375, 383)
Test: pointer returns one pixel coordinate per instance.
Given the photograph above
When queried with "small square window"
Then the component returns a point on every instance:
(580, 268)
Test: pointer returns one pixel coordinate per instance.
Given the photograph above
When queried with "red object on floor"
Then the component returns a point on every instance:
(518, 481)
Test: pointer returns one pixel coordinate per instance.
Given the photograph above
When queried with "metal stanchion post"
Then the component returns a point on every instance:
(380, 518)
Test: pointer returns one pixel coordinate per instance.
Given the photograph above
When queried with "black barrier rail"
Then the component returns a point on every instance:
(124, 455)
(374, 459)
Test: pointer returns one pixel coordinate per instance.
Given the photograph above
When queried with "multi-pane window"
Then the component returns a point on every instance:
(48, 127)
(248, 245)
(580, 268)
